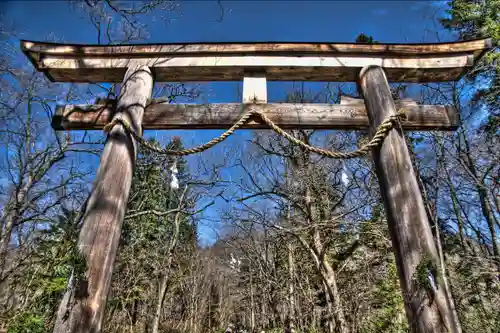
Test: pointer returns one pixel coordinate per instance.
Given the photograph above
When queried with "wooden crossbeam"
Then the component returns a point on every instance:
(162, 116)
(279, 61)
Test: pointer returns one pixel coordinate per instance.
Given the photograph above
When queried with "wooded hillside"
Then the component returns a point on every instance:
(295, 240)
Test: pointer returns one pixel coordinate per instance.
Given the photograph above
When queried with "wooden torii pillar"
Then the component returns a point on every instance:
(372, 66)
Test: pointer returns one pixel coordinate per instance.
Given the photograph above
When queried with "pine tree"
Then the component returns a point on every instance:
(480, 19)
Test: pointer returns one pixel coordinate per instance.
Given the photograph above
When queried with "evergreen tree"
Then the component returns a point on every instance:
(472, 19)
(148, 230)
(365, 39)
(54, 261)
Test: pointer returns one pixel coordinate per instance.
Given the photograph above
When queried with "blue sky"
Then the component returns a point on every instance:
(197, 21)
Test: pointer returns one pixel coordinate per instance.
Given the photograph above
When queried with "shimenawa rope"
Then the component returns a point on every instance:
(381, 132)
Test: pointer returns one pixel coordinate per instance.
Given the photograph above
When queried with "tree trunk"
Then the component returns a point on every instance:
(312, 298)
(437, 235)
(252, 302)
(329, 306)
(162, 288)
(483, 199)
(327, 274)
(264, 317)
(324, 268)
(5, 236)
(417, 259)
(291, 287)
(163, 285)
(18, 199)
(82, 307)
(336, 303)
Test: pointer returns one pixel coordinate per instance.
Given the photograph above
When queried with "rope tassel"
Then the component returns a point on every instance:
(382, 131)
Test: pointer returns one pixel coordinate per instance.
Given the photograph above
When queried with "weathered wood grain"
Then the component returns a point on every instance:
(162, 116)
(411, 235)
(346, 100)
(208, 62)
(255, 47)
(100, 233)
(276, 68)
(197, 74)
(280, 61)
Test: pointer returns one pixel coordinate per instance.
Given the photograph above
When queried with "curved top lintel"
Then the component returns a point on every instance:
(253, 48)
(281, 61)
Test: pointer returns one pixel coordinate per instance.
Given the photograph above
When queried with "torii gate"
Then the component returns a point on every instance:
(372, 66)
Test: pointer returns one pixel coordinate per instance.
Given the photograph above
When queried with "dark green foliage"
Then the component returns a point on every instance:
(388, 315)
(27, 323)
(427, 269)
(492, 125)
(365, 39)
(151, 191)
(479, 19)
(146, 238)
(55, 260)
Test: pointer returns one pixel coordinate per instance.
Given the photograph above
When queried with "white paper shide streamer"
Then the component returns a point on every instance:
(174, 182)
(345, 177)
